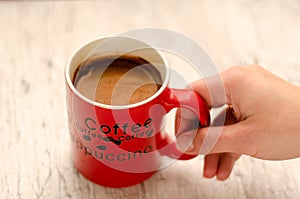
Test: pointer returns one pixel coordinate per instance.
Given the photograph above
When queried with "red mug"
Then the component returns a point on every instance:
(119, 146)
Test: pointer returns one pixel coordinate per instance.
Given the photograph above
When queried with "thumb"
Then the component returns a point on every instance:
(216, 139)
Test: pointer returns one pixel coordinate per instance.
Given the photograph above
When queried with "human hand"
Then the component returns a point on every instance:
(265, 109)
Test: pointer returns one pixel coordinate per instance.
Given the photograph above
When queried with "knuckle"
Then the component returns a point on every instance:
(234, 75)
(238, 71)
(255, 66)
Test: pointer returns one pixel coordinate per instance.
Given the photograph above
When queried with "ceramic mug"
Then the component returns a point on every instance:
(119, 146)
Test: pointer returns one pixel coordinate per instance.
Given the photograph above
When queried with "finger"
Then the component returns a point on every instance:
(211, 162)
(226, 163)
(213, 139)
(212, 90)
(226, 117)
(217, 89)
(235, 138)
(185, 120)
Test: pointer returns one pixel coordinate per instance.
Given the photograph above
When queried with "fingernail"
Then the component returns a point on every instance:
(185, 142)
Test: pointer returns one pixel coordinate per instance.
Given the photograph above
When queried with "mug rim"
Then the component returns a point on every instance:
(114, 107)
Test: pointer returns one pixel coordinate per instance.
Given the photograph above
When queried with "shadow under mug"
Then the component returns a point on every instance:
(119, 146)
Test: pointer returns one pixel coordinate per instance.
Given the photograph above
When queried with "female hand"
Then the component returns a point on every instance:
(262, 120)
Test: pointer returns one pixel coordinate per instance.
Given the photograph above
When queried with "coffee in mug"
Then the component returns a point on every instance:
(117, 80)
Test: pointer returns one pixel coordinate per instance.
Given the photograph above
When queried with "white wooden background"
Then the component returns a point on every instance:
(37, 37)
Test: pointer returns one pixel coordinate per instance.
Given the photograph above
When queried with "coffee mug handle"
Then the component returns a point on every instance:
(187, 99)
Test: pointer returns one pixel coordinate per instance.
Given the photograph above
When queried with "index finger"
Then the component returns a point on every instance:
(185, 120)
(212, 89)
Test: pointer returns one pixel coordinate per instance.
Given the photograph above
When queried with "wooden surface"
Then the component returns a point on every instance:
(37, 37)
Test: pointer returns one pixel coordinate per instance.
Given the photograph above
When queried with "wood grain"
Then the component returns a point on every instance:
(37, 37)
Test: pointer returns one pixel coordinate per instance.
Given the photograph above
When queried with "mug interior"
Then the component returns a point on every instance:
(117, 46)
